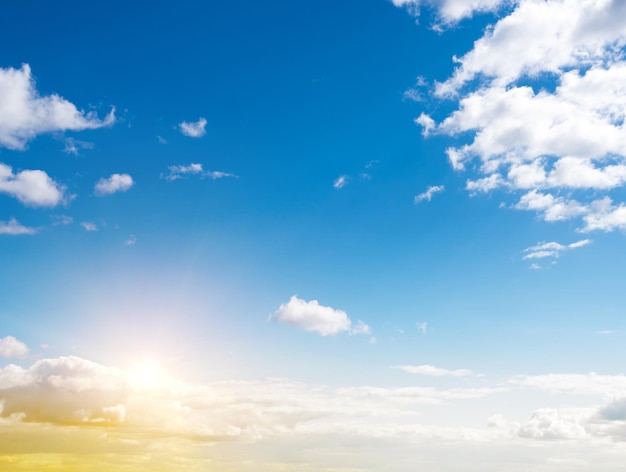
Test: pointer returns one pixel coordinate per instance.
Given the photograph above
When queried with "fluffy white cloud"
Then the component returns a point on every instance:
(552, 249)
(179, 172)
(24, 113)
(553, 424)
(14, 228)
(115, 183)
(31, 187)
(312, 316)
(542, 97)
(193, 129)
(12, 348)
(428, 194)
(433, 371)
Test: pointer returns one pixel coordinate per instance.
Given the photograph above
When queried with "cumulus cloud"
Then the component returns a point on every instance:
(24, 113)
(433, 371)
(31, 187)
(12, 348)
(182, 171)
(428, 194)
(311, 316)
(552, 249)
(575, 384)
(541, 96)
(555, 424)
(14, 228)
(115, 183)
(193, 129)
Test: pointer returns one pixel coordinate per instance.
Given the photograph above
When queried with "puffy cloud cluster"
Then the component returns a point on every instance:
(451, 11)
(311, 316)
(194, 129)
(24, 113)
(31, 187)
(10, 347)
(542, 97)
(113, 184)
(14, 228)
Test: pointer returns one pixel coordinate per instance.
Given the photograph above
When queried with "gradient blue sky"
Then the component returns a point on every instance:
(302, 149)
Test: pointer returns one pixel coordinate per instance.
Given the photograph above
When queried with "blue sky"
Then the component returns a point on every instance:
(412, 208)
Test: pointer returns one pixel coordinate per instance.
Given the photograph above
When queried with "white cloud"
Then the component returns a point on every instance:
(14, 228)
(193, 129)
(555, 424)
(24, 114)
(61, 220)
(115, 183)
(576, 384)
(311, 316)
(73, 146)
(542, 97)
(161, 140)
(552, 249)
(181, 171)
(31, 187)
(422, 327)
(433, 371)
(131, 241)
(428, 194)
(451, 11)
(89, 226)
(341, 181)
(12, 348)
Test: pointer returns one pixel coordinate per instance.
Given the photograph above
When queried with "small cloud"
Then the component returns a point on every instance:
(161, 140)
(179, 172)
(428, 194)
(311, 316)
(89, 226)
(61, 220)
(535, 267)
(422, 327)
(72, 146)
(432, 371)
(131, 241)
(414, 93)
(341, 181)
(193, 129)
(14, 228)
(605, 332)
(552, 249)
(115, 183)
(11, 348)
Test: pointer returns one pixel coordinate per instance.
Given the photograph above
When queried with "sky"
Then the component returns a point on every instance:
(356, 236)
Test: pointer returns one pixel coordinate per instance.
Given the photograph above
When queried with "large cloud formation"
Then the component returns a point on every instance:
(24, 113)
(542, 99)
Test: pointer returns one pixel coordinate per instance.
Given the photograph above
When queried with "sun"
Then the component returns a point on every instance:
(146, 375)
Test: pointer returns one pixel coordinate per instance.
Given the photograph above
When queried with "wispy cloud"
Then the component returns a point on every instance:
(193, 129)
(14, 228)
(182, 171)
(89, 226)
(131, 241)
(341, 181)
(311, 316)
(113, 184)
(552, 249)
(24, 114)
(73, 146)
(433, 371)
(428, 194)
(422, 326)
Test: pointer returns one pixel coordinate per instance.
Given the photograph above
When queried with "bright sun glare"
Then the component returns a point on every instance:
(146, 375)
